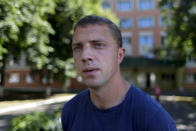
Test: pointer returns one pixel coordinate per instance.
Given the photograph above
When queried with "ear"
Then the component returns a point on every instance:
(121, 54)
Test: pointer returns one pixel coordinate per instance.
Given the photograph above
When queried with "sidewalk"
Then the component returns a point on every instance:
(8, 106)
(12, 109)
(184, 116)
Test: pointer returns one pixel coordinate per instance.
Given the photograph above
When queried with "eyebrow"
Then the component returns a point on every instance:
(91, 41)
(95, 41)
(77, 43)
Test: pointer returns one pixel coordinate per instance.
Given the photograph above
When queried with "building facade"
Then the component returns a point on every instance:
(143, 31)
(19, 78)
(141, 25)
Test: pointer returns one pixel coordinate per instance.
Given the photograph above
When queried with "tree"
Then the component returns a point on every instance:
(181, 30)
(24, 28)
(43, 30)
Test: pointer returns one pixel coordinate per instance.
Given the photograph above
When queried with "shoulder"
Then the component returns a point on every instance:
(144, 101)
(71, 108)
(148, 111)
(76, 101)
(161, 121)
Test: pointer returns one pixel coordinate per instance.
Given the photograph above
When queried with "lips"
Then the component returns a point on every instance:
(90, 71)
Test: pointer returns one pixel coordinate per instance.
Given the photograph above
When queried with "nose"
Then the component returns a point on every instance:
(87, 54)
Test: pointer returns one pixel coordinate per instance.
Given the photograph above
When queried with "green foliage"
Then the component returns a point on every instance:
(43, 30)
(89, 7)
(24, 26)
(181, 29)
(37, 121)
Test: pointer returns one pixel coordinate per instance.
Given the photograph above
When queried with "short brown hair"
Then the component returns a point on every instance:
(94, 19)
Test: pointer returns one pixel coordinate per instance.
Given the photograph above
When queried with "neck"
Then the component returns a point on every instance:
(111, 94)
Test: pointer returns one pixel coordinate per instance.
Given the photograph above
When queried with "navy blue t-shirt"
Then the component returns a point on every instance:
(137, 112)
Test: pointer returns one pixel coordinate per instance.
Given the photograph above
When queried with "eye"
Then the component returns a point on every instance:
(76, 48)
(99, 45)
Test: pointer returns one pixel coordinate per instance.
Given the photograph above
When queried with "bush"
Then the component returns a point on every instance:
(37, 121)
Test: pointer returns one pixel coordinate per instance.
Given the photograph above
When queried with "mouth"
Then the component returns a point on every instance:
(90, 71)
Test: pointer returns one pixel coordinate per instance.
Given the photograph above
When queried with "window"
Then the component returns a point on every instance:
(190, 62)
(168, 76)
(164, 21)
(126, 37)
(105, 5)
(46, 80)
(13, 78)
(145, 22)
(79, 78)
(29, 79)
(13, 62)
(146, 44)
(190, 59)
(124, 5)
(141, 80)
(145, 4)
(161, 21)
(163, 38)
(190, 77)
(126, 23)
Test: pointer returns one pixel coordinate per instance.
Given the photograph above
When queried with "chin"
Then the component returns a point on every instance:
(93, 85)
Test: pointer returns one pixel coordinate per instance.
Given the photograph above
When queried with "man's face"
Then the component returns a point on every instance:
(95, 54)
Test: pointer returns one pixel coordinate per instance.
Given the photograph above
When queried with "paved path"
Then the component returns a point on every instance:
(49, 105)
(183, 115)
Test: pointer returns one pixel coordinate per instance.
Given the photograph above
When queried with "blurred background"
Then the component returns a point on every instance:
(37, 68)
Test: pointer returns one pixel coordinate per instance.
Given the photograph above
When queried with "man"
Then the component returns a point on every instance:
(110, 103)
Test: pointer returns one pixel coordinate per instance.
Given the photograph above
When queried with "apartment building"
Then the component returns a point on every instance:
(143, 31)
(19, 77)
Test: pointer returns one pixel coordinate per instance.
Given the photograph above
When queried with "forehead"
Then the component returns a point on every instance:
(91, 32)
(99, 26)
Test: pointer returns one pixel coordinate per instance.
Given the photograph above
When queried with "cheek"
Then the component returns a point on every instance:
(77, 63)
(109, 61)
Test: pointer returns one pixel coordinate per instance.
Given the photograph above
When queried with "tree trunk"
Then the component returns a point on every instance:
(2, 74)
(2, 83)
(48, 91)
